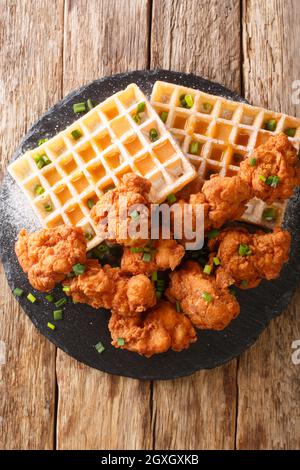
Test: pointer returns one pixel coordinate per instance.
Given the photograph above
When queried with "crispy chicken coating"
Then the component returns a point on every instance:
(158, 330)
(110, 288)
(167, 254)
(206, 304)
(193, 187)
(136, 191)
(247, 258)
(48, 255)
(272, 170)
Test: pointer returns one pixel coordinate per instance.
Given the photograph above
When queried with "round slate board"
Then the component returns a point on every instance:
(83, 327)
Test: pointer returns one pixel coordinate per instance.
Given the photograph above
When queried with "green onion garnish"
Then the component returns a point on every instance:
(60, 302)
(49, 297)
(109, 188)
(38, 189)
(51, 326)
(137, 249)
(134, 215)
(207, 269)
(290, 131)
(41, 161)
(154, 276)
(270, 125)
(216, 261)
(153, 134)
(121, 341)
(244, 283)
(252, 161)
(164, 116)
(48, 207)
(141, 107)
(90, 203)
(90, 104)
(161, 282)
(57, 315)
(66, 288)
(79, 268)
(76, 134)
(31, 298)
(232, 292)
(207, 107)
(273, 181)
(79, 107)
(137, 118)
(99, 347)
(207, 297)
(269, 214)
(88, 236)
(186, 101)
(178, 309)
(194, 148)
(244, 250)
(213, 233)
(18, 292)
(262, 178)
(42, 141)
(158, 294)
(171, 198)
(146, 257)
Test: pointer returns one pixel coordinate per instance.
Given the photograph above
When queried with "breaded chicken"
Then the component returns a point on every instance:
(194, 187)
(247, 258)
(167, 254)
(136, 191)
(206, 304)
(110, 288)
(154, 332)
(48, 255)
(272, 170)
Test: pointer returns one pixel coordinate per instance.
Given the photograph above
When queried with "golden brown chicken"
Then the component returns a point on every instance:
(246, 259)
(154, 332)
(48, 255)
(206, 304)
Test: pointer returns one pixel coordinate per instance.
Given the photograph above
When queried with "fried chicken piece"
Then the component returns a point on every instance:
(193, 187)
(136, 191)
(155, 332)
(247, 258)
(206, 304)
(110, 288)
(167, 255)
(272, 170)
(48, 255)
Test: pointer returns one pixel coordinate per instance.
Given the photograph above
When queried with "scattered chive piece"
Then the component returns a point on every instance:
(60, 302)
(90, 104)
(207, 107)
(18, 292)
(194, 148)
(141, 107)
(232, 292)
(79, 107)
(207, 269)
(252, 161)
(161, 282)
(31, 298)
(121, 341)
(207, 297)
(66, 288)
(158, 294)
(103, 248)
(290, 131)
(153, 134)
(49, 297)
(76, 134)
(171, 198)
(90, 203)
(154, 276)
(79, 268)
(38, 189)
(244, 283)
(137, 249)
(109, 188)
(99, 347)
(270, 125)
(48, 207)
(216, 261)
(213, 234)
(134, 215)
(244, 250)
(164, 116)
(42, 141)
(88, 236)
(51, 326)
(262, 178)
(146, 257)
(41, 161)
(147, 249)
(269, 214)
(273, 181)
(137, 118)
(186, 101)
(57, 315)
(178, 309)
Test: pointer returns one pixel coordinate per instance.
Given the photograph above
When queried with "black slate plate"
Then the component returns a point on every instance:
(83, 326)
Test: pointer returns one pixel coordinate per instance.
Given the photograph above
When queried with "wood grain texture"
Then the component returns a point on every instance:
(185, 414)
(269, 400)
(95, 409)
(30, 59)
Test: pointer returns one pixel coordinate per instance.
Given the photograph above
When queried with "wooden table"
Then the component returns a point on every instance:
(47, 399)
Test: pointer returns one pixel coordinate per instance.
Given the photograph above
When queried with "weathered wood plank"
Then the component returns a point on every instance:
(30, 81)
(114, 413)
(269, 400)
(197, 412)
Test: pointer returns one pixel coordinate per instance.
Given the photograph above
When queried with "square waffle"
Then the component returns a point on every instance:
(64, 177)
(216, 134)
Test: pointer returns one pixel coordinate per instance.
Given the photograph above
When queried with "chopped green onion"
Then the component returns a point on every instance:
(194, 148)
(290, 131)
(216, 261)
(18, 292)
(137, 249)
(252, 161)
(48, 207)
(153, 134)
(207, 107)
(232, 292)
(42, 141)
(99, 347)
(76, 134)
(207, 297)
(60, 302)
(90, 203)
(269, 214)
(79, 107)
(31, 298)
(49, 297)
(134, 215)
(79, 268)
(121, 341)
(213, 233)
(207, 269)
(178, 309)
(154, 276)
(57, 315)
(171, 198)
(141, 107)
(244, 250)
(51, 326)
(109, 188)
(158, 294)
(137, 118)
(244, 283)
(273, 181)
(146, 257)
(161, 282)
(164, 116)
(186, 101)
(262, 178)
(270, 125)
(102, 248)
(38, 189)
(41, 161)
(90, 104)
(88, 236)
(66, 288)
(147, 249)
